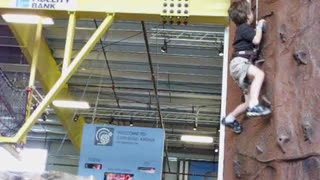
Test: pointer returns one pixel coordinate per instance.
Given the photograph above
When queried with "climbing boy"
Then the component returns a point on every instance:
(248, 76)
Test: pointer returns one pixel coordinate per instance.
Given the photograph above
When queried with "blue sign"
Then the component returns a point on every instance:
(121, 152)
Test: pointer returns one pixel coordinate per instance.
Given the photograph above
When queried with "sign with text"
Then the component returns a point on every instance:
(45, 4)
(121, 152)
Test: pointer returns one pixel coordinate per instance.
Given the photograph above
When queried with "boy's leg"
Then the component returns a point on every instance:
(238, 110)
(231, 122)
(257, 77)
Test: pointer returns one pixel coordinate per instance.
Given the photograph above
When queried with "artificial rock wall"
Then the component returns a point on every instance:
(286, 145)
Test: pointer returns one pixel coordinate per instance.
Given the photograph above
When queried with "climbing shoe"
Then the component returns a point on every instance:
(235, 125)
(258, 110)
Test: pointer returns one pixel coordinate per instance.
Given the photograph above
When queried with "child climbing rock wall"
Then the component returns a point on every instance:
(285, 145)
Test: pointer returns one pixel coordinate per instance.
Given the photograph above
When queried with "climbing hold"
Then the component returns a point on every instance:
(283, 37)
(268, 15)
(237, 168)
(283, 33)
(300, 57)
(307, 131)
(281, 141)
(259, 149)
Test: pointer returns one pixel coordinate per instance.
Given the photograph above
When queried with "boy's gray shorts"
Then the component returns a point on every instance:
(238, 69)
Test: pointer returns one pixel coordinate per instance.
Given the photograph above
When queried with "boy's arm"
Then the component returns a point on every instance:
(257, 38)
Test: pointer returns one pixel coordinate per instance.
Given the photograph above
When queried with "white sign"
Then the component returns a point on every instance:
(46, 4)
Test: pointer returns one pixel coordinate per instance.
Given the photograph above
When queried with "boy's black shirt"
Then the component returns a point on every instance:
(244, 36)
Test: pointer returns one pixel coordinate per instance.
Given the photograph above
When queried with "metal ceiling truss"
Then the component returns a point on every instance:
(204, 119)
(55, 82)
(205, 38)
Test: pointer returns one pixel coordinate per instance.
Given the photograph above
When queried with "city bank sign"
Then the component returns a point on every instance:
(45, 4)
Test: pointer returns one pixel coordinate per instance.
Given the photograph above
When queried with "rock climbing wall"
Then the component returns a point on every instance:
(286, 145)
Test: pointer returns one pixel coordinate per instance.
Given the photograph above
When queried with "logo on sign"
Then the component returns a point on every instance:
(22, 3)
(45, 4)
(104, 136)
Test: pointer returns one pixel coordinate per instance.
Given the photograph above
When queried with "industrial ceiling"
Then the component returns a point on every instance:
(116, 78)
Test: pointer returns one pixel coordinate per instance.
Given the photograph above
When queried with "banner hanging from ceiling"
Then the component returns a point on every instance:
(121, 152)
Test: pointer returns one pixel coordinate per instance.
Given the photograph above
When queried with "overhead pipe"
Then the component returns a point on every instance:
(155, 87)
(148, 89)
(127, 117)
(46, 128)
(109, 69)
(166, 112)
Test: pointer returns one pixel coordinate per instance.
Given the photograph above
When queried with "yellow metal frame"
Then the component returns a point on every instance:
(57, 87)
(69, 41)
(200, 11)
(53, 80)
(33, 70)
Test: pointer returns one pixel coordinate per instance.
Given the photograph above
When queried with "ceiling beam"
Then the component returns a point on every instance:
(162, 59)
(199, 11)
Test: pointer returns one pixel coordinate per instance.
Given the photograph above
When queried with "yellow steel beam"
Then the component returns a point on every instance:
(199, 11)
(49, 76)
(69, 41)
(47, 73)
(33, 71)
(35, 54)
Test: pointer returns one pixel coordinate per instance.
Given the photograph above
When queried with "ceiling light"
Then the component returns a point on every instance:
(26, 19)
(172, 158)
(71, 104)
(200, 139)
(76, 117)
(195, 126)
(216, 148)
(220, 50)
(164, 48)
(131, 122)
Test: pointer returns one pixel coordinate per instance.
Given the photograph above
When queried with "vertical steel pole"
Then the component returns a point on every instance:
(69, 41)
(33, 70)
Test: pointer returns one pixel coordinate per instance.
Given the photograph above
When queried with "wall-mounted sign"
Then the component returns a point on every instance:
(45, 4)
(121, 152)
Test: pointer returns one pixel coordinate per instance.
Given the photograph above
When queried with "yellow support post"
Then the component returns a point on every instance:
(61, 81)
(33, 72)
(48, 72)
(69, 41)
